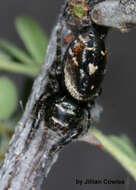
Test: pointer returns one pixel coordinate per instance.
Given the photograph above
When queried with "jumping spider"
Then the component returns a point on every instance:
(74, 83)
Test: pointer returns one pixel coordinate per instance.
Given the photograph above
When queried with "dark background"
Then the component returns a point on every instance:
(118, 100)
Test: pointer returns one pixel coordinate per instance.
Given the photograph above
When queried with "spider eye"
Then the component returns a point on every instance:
(85, 66)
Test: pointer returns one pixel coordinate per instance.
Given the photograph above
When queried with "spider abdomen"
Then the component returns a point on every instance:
(84, 66)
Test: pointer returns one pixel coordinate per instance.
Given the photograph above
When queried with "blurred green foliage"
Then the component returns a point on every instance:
(8, 98)
(14, 59)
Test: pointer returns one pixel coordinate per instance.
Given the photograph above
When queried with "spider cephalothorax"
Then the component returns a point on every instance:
(64, 114)
(84, 65)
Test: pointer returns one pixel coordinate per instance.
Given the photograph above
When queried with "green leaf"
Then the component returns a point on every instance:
(120, 148)
(16, 52)
(124, 146)
(4, 141)
(128, 142)
(8, 98)
(16, 67)
(33, 37)
(4, 55)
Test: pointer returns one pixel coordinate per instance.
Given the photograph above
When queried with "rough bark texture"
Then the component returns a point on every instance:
(25, 167)
(117, 14)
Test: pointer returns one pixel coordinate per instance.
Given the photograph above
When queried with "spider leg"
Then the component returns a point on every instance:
(53, 87)
(55, 73)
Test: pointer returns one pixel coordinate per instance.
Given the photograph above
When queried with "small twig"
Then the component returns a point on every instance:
(116, 14)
